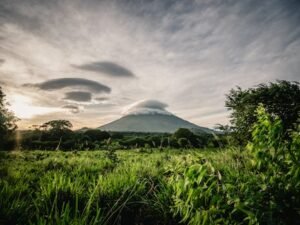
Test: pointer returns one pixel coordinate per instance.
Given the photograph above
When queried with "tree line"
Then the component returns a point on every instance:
(281, 99)
(57, 135)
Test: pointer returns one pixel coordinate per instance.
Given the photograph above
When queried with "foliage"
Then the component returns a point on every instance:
(7, 124)
(183, 142)
(57, 125)
(263, 187)
(204, 193)
(97, 135)
(44, 138)
(42, 187)
(170, 187)
(183, 133)
(185, 137)
(280, 99)
(224, 129)
(197, 195)
(279, 162)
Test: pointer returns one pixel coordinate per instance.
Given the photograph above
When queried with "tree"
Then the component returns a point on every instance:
(7, 122)
(186, 134)
(57, 130)
(183, 133)
(281, 99)
(97, 135)
(57, 125)
(223, 129)
(183, 142)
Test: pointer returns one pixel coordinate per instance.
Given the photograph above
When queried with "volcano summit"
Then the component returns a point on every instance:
(150, 116)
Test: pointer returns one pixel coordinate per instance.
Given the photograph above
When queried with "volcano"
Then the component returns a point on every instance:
(151, 117)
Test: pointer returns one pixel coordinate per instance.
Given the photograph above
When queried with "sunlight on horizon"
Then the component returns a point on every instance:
(23, 107)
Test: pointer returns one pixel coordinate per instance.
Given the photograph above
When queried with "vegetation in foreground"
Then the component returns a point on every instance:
(256, 185)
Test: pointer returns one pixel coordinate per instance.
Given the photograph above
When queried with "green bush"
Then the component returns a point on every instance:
(262, 187)
(278, 161)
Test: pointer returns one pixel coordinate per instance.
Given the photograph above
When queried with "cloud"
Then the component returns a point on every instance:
(2, 61)
(73, 108)
(189, 55)
(146, 107)
(108, 68)
(151, 104)
(78, 96)
(9, 13)
(62, 83)
(101, 98)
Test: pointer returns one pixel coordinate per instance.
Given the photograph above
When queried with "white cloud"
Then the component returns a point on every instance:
(188, 55)
(146, 107)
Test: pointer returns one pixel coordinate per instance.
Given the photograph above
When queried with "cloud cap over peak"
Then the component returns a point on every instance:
(145, 107)
(61, 83)
(108, 68)
(187, 55)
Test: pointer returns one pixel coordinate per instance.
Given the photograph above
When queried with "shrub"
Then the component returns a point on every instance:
(264, 187)
(278, 161)
(183, 142)
(281, 99)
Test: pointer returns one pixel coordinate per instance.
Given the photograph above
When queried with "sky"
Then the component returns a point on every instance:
(92, 61)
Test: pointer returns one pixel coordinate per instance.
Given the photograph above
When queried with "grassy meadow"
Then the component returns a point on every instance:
(100, 178)
(141, 186)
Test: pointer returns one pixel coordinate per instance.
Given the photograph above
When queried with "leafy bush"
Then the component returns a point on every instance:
(183, 142)
(197, 195)
(278, 161)
(281, 99)
(97, 135)
(262, 188)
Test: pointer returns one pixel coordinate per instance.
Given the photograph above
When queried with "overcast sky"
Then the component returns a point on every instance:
(88, 60)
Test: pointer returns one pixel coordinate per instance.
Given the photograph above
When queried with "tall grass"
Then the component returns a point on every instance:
(79, 187)
(257, 185)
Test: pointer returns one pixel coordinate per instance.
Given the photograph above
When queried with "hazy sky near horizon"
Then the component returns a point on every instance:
(90, 60)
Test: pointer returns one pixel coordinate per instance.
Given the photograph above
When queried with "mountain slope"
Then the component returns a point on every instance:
(156, 123)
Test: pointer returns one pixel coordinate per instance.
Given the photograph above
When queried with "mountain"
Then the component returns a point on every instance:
(153, 123)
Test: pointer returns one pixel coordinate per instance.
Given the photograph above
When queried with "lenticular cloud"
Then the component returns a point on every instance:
(147, 107)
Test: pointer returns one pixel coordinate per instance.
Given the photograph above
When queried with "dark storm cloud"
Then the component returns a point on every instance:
(79, 96)
(2, 61)
(73, 108)
(107, 68)
(61, 83)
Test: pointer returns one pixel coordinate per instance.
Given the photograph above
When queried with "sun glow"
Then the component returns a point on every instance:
(24, 109)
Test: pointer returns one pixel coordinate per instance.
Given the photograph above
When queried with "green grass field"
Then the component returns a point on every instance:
(134, 187)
